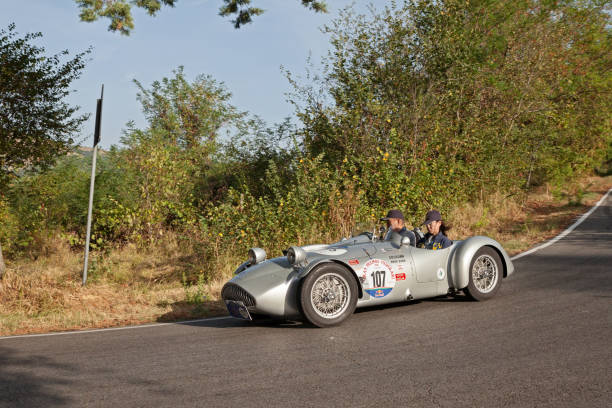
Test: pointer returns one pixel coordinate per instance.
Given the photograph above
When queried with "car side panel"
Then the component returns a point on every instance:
(431, 266)
(399, 260)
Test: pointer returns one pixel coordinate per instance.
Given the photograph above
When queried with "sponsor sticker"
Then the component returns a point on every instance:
(396, 259)
(378, 278)
(353, 262)
(400, 276)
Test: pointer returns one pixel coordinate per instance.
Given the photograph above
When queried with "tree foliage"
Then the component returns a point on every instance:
(188, 115)
(36, 124)
(119, 12)
(245, 13)
(174, 154)
(431, 103)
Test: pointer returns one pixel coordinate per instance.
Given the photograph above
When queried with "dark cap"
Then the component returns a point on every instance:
(393, 214)
(433, 215)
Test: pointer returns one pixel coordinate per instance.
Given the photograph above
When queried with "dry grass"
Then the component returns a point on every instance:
(127, 286)
(134, 285)
(519, 223)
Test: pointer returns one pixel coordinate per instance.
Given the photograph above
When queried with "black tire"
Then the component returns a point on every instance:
(324, 305)
(486, 273)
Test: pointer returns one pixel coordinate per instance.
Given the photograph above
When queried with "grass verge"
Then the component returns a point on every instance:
(132, 286)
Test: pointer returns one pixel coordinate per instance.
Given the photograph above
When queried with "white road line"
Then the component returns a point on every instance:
(564, 233)
(144, 326)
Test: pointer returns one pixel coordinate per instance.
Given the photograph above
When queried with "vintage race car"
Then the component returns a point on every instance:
(325, 283)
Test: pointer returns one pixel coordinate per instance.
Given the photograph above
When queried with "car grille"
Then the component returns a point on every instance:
(232, 291)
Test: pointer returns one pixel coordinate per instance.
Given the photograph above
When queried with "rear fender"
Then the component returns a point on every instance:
(462, 257)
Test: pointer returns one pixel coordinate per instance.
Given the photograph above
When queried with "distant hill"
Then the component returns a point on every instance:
(85, 151)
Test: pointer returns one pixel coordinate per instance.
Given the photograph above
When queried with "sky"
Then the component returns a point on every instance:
(193, 35)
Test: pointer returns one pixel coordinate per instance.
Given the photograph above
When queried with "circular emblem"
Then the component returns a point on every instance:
(378, 278)
(441, 273)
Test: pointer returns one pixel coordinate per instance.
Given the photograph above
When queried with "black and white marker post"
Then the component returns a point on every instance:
(93, 180)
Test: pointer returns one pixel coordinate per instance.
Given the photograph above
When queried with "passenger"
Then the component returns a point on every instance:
(436, 237)
(395, 222)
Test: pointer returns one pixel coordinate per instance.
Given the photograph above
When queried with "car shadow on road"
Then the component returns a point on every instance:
(214, 314)
(387, 306)
(223, 321)
(460, 297)
(231, 322)
(182, 310)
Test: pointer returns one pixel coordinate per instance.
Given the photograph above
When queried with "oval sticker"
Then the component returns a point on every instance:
(378, 278)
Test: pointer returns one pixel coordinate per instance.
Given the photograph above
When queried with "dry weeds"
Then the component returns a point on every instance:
(519, 223)
(133, 285)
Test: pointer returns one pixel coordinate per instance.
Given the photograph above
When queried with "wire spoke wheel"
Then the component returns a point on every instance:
(485, 273)
(328, 295)
(486, 270)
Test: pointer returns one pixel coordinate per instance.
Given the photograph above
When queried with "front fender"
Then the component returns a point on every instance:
(272, 284)
(310, 267)
(462, 257)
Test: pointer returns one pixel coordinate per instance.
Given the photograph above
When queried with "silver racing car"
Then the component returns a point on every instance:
(325, 283)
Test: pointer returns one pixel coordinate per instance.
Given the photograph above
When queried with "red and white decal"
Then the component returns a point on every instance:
(378, 278)
(353, 262)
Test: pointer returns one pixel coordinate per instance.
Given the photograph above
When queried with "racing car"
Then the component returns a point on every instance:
(325, 283)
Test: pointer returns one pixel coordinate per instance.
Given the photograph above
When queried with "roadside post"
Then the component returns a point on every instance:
(93, 179)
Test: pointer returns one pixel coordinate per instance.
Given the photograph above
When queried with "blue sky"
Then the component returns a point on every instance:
(191, 34)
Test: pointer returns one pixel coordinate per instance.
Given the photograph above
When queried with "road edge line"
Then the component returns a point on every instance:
(142, 326)
(567, 230)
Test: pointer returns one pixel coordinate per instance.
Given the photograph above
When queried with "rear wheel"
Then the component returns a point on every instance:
(328, 295)
(486, 272)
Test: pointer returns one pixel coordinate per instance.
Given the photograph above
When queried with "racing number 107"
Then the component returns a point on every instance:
(378, 278)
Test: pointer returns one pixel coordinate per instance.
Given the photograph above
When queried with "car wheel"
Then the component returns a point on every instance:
(486, 272)
(328, 295)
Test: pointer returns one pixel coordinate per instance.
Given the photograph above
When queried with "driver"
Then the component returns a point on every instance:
(395, 222)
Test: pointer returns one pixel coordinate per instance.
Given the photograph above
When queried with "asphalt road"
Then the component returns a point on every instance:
(544, 340)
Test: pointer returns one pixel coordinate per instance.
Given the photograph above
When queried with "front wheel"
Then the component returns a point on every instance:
(486, 272)
(328, 295)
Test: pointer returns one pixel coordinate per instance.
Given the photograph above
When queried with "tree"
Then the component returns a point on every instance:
(35, 123)
(120, 11)
(188, 115)
(175, 152)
